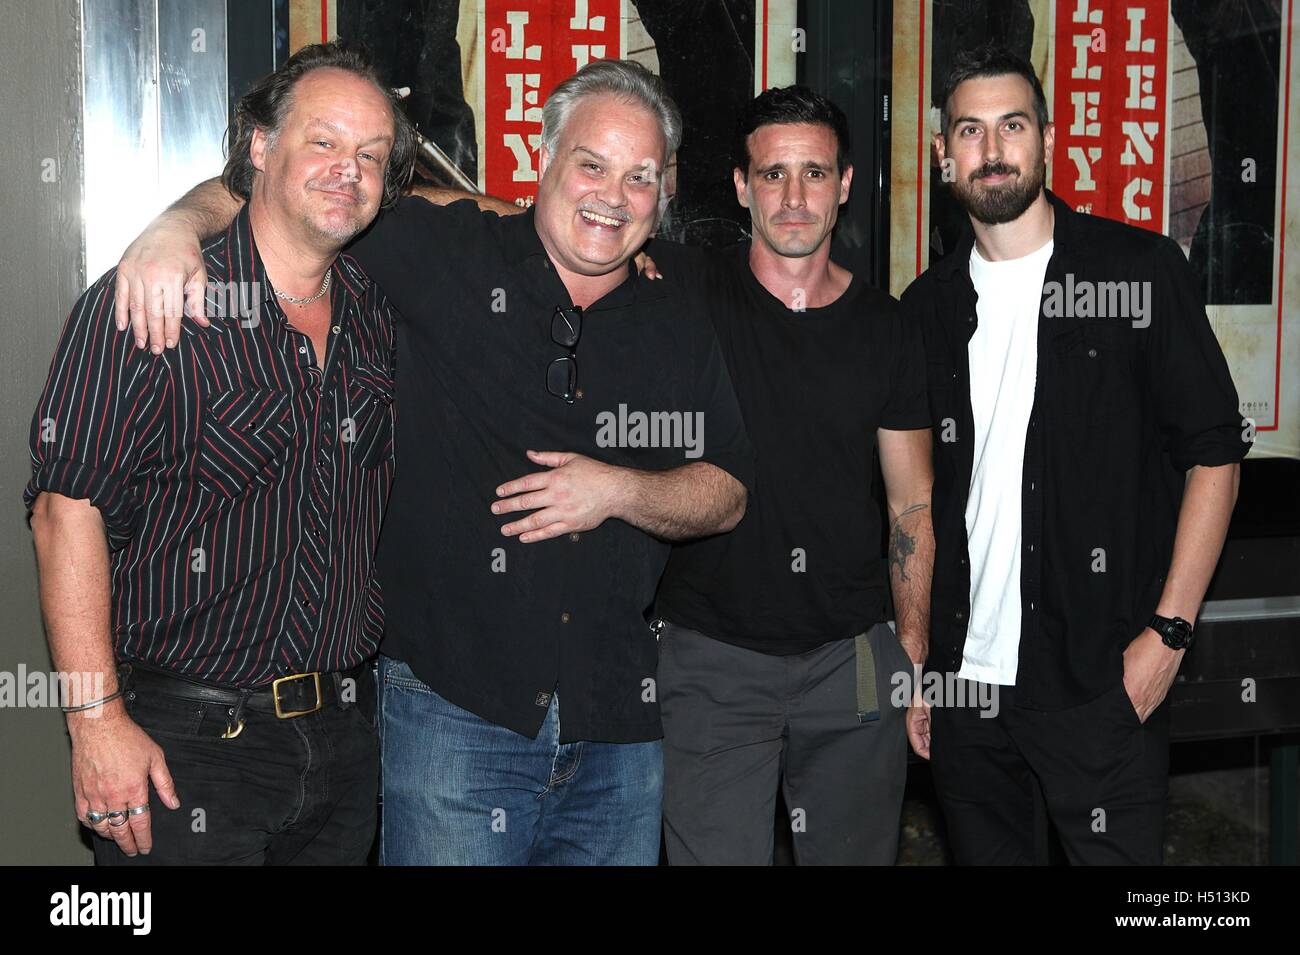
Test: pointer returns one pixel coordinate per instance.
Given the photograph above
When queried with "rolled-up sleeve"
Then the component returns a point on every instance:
(98, 410)
(907, 407)
(1191, 388)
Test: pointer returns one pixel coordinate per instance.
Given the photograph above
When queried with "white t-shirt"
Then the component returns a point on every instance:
(1003, 356)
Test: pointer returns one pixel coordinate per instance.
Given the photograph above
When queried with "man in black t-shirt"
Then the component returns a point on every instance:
(776, 663)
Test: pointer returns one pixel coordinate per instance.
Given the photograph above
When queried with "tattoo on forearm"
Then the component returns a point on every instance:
(902, 545)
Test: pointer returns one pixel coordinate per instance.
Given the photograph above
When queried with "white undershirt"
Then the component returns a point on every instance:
(1003, 356)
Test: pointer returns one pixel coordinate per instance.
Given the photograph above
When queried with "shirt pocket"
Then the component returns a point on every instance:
(244, 433)
(368, 429)
(1091, 371)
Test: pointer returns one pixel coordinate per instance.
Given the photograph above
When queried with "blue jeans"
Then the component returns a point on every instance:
(459, 790)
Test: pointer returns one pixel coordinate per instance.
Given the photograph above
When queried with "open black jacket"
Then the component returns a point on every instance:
(1124, 405)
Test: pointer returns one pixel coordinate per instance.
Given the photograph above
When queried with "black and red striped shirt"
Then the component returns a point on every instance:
(242, 489)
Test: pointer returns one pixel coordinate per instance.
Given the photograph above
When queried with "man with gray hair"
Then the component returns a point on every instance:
(519, 335)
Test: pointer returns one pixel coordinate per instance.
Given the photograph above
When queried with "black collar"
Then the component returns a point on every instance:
(522, 243)
(1065, 241)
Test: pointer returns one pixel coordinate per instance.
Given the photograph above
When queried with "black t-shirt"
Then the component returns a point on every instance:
(493, 625)
(805, 564)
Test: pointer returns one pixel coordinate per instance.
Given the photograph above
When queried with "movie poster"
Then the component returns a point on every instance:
(480, 70)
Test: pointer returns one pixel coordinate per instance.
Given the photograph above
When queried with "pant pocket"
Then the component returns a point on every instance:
(1125, 704)
(397, 673)
(893, 668)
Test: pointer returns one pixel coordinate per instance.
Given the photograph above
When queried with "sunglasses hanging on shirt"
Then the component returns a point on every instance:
(562, 373)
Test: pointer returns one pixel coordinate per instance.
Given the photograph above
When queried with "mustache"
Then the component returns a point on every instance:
(994, 169)
(337, 185)
(602, 210)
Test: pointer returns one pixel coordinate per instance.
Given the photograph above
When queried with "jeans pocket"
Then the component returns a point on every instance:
(172, 717)
(398, 673)
(367, 719)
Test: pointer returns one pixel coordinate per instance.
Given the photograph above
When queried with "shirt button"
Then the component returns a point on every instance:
(960, 614)
(1033, 485)
(1092, 353)
(1031, 548)
(305, 602)
(963, 561)
(302, 349)
(574, 536)
(336, 329)
(564, 617)
(578, 393)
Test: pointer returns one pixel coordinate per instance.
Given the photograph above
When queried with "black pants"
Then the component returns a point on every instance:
(300, 791)
(739, 724)
(1104, 776)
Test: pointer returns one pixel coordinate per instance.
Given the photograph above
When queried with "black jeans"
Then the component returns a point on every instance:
(300, 791)
(1104, 776)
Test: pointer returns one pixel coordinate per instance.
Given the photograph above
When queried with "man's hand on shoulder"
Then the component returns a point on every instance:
(161, 278)
(442, 196)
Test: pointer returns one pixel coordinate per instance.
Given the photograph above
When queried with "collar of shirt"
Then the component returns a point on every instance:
(522, 243)
(1065, 243)
(246, 276)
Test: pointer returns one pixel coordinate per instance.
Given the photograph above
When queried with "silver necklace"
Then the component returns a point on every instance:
(292, 300)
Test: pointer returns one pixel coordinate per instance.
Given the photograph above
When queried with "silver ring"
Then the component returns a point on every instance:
(138, 810)
(95, 818)
(117, 818)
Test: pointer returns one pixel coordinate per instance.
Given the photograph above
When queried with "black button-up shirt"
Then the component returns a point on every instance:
(493, 625)
(1124, 405)
(242, 489)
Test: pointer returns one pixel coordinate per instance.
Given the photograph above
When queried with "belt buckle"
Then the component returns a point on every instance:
(275, 692)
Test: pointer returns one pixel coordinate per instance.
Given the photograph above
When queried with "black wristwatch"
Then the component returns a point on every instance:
(1174, 631)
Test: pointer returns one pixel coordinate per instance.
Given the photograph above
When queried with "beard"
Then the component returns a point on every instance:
(333, 230)
(996, 205)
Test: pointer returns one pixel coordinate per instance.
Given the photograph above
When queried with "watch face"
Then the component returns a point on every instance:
(1178, 632)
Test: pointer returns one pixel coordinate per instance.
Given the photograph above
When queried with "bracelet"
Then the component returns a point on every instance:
(87, 706)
